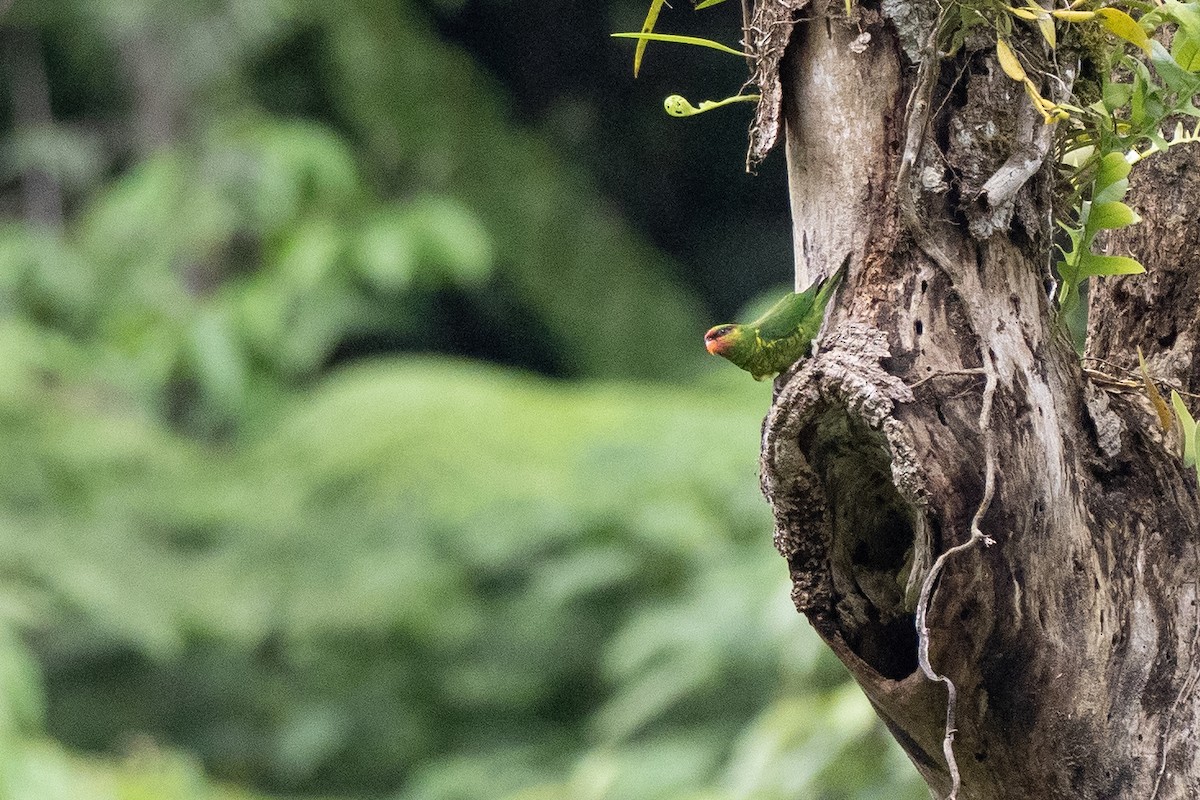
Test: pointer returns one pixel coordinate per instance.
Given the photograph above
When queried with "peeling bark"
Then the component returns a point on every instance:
(1072, 640)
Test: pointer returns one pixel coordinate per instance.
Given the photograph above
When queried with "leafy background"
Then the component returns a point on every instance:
(357, 438)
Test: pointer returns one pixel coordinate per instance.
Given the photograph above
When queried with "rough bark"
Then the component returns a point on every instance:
(946, 397)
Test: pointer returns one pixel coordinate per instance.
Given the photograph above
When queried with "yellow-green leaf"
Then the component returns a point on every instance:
(647, 27)
(1046, 26)
(678, 106)
(1111, 179)
(671, 37)
(1188, 426)
(1049, 110)
(1121, 24)
(1156, 399)
(1023, 13)
(1110, 215)
(1092, 264)
(1008, 61)
(1073, 16)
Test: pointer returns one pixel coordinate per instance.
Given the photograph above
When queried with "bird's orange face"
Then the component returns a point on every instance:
(720, 339)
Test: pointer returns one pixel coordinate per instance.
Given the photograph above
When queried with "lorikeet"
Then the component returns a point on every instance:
(779, 338)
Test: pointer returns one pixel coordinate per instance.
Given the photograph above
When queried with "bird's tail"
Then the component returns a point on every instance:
(830, 284)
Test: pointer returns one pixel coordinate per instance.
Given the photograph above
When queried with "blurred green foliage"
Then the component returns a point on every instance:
(258, 527)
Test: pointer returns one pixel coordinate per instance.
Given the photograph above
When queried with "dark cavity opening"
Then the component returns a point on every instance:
(871, 553)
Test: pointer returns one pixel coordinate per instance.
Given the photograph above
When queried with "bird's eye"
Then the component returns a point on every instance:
(719, 331)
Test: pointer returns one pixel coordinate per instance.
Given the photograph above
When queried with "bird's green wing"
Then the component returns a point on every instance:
(782, 318)
(793, 310)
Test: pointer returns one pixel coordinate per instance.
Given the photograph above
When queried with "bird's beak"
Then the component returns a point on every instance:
(713, 346)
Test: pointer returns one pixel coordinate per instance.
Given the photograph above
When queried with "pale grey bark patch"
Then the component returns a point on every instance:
(1109, 426)
(835, 132)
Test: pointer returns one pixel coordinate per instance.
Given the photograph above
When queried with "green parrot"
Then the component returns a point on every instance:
(779, 338)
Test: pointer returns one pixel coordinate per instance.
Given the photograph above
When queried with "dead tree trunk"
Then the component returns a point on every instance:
(946, 410)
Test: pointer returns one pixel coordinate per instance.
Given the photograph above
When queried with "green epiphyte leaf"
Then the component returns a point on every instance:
(1110, 216)
(1188, 426)
(1092, 264)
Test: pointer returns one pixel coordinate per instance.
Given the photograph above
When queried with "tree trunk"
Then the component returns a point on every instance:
(947, 420)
